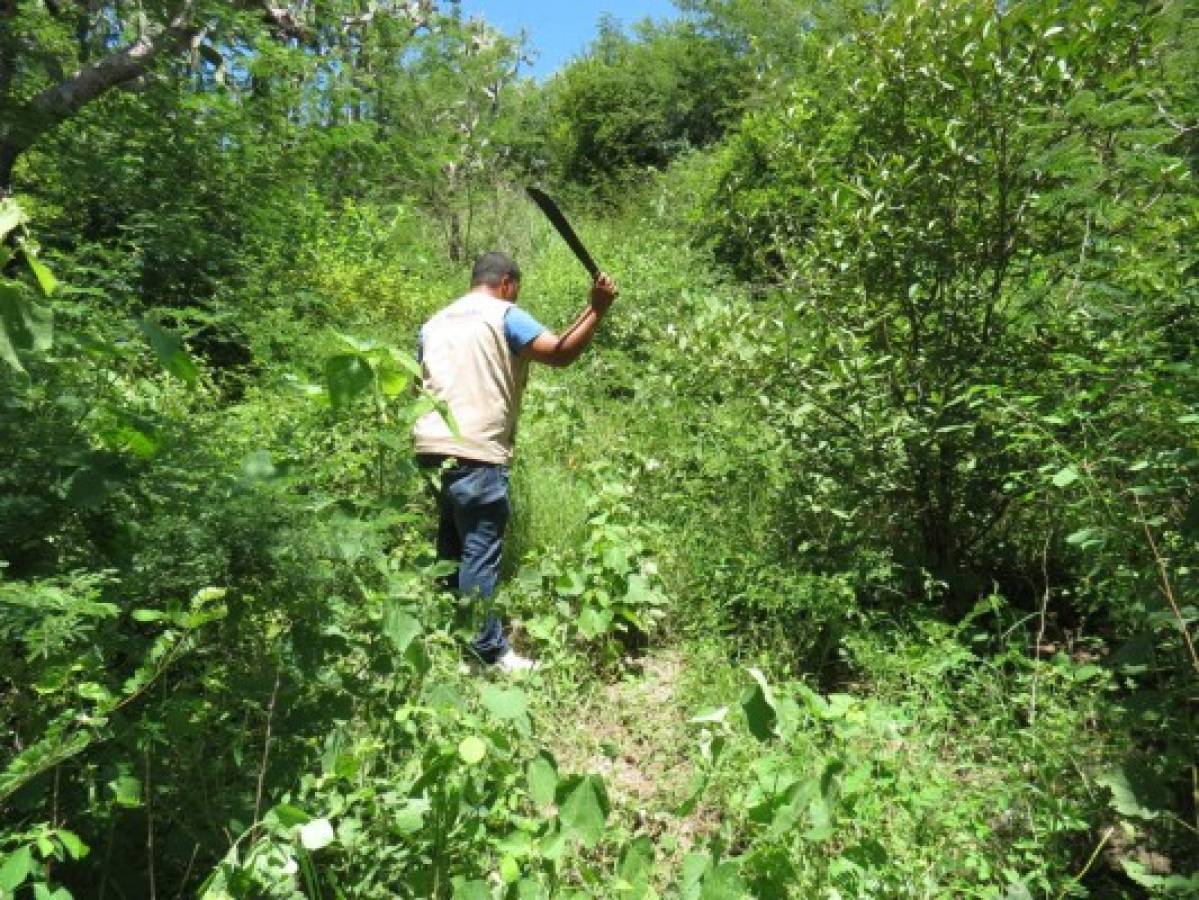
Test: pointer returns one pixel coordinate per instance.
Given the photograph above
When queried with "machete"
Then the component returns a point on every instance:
(550, 208)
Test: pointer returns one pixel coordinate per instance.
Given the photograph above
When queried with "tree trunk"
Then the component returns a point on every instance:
(8, 159)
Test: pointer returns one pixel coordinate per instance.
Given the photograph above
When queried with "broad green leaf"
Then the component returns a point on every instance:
(410, 818)
(400, 626)
(347, 376)
(594, 622)
(471, 890)
(509, 870)
(392, 381)
(570, 584)
(1065, 477)
(638, 590)
(761, 714)
(290, 816)
(637, 862)
(407, 362)
(147, 615)
(24, 325)
(168, 347)
(45, 278)
(126, 790)
(505, 703)
(542, 775)
(15, 869)
(472, 750)
(723, 883)
(1124, 795)
(585, 810)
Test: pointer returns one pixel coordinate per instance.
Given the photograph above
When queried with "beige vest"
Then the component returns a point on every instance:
(467, 363)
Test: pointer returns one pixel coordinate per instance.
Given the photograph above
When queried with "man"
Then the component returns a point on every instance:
(475, 357)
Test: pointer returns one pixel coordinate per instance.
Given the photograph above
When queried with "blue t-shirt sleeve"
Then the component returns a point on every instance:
(520, 328)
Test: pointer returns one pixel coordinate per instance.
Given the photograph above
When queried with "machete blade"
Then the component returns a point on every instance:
(550, 208)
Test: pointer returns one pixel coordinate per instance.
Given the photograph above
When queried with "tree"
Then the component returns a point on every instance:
(636, 102)
(964, 203)
(110, 45)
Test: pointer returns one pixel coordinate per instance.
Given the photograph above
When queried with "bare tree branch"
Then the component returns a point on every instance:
(27, 122)
(58, 103)
(284, 21)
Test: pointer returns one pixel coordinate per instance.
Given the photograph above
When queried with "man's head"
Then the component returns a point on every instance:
(499, 273)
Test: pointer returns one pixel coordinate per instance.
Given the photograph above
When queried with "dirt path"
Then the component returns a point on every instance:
(635, 734)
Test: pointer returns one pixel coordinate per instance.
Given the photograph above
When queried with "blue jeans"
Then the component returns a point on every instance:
(473, 511)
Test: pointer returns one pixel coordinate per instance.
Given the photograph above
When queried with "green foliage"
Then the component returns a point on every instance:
(633, 103)
(901, 502)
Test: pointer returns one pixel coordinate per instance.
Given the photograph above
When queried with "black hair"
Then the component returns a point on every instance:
(491, 268)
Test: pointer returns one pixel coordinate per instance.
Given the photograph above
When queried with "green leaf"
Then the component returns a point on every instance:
(472, 890)
(594, 622)
(45, 278)
(290, 816)
(509, 870)
(147, 615)
(168, 347)
(1065, 477)
(410, 818)
(15, 869)
(1124, 795)
(400, 627)
(723, 883)
(347, 375)
(407, 362)
(586, 810)
(24, 326)
(761, 713)
(542, 775)
(472, 750)
(127, 791)
(570, 584)
(317, 834)
(510, 703)
(392, 381)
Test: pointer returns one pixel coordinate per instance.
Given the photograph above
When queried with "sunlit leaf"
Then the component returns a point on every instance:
(15, 869)
(585, 810)
(290, 816)
(45, 278)
(472, 750)
(543, 779)
(317, 834)
(1065, 477)
(505, 703)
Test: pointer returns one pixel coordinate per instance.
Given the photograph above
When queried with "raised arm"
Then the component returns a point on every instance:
(559, 351)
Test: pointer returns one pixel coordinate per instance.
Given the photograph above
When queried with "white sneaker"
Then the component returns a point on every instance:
(512, 662)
